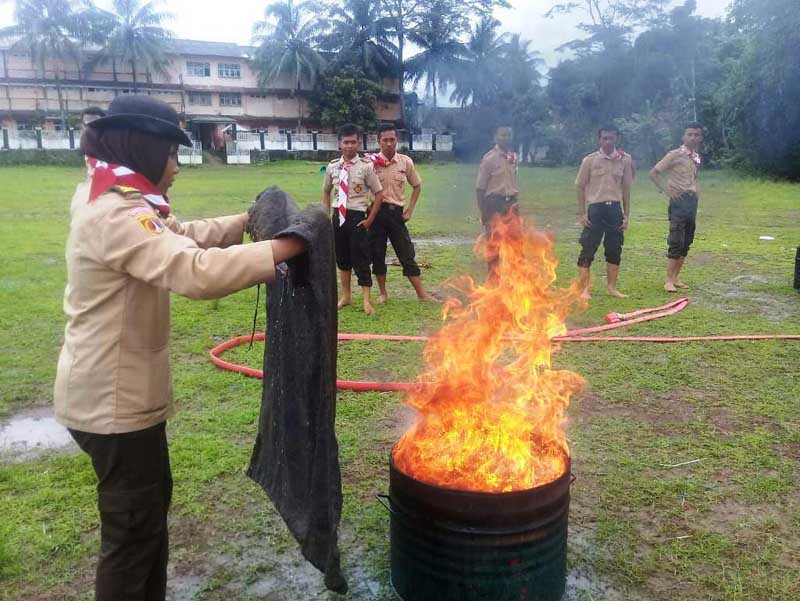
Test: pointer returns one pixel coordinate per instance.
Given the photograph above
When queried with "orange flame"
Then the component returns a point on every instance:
(490, 408)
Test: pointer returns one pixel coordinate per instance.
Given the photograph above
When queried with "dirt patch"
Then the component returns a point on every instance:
(31, 434)
(659, 410)
(729, 297)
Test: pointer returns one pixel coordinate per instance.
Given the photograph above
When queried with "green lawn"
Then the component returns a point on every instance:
(726, 527)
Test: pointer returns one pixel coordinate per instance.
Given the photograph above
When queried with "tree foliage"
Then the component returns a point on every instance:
(346, 95)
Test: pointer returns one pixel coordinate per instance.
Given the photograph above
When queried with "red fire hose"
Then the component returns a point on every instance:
(614, 321)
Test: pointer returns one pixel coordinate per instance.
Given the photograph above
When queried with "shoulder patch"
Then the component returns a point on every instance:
(151, 224)
(139, 211)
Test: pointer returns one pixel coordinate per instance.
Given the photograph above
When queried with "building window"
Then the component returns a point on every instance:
(259, 96)
(200, 98)
(230, 70)
(230, 99)
(25, 126)
(198, 69)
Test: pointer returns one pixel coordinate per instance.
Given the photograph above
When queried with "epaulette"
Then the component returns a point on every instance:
(365, 160)
(127, 191)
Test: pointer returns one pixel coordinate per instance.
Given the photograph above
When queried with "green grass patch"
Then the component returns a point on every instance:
(725, 527)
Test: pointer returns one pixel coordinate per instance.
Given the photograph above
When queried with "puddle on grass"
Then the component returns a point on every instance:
(32, 433)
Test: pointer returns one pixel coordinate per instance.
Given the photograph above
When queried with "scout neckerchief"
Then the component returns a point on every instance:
(617, 155)
(694, 155)
(510, 157)
(344, 189)
(108, 175)
(380, 160)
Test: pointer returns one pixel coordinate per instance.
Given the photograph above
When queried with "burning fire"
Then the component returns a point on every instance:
(490, 408)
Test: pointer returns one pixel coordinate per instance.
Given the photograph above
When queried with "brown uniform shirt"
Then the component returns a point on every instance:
(497, 174)
(604, 179)
(122, 261)
(680, 171)
(361, 181)
(394, 176)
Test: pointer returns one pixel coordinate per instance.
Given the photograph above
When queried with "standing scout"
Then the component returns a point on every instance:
(113, 389)
(394, 171)
(352, 178)
(679, 169)
(497, 187)
(604, 200)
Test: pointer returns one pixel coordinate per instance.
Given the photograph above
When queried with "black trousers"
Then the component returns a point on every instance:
(134, 490)
(606, 219)
(682, 225)
(495, 205)
(389, 226)
(352, 246)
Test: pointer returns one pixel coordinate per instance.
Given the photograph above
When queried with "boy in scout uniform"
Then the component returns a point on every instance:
(395, 170)
(604, 198)
(497, 188)
(676, 176)
(352, 178)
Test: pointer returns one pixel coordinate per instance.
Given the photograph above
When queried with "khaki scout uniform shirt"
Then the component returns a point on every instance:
(122, 261)
(680, 171)
(603, 179)
(497, 176)
(394, 177)
(361, 181)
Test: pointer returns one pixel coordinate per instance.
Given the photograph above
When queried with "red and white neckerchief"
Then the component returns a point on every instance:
(510, 157)
(380, 160)
(695, 156)
(344, 190)
(108, 175)
(617, 155)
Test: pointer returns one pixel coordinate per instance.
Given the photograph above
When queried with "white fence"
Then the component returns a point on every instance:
(245, 142)
(302, 141)
(237, 155)
(192, 155)
(327, 142)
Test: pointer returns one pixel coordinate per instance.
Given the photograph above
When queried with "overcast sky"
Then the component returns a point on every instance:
(206, 21)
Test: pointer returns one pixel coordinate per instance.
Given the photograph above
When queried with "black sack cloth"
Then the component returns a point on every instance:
(296, 455)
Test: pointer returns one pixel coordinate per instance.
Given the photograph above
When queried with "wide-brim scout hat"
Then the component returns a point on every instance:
(143, 113)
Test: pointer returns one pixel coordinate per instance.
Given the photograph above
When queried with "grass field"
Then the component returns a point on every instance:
(726, 527)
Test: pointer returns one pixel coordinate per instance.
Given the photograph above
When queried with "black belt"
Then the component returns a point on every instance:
(349, 212)
(608, 202)
(392, 207)
(503, 198)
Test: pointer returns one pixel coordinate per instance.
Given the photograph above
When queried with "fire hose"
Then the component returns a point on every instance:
(613, 322)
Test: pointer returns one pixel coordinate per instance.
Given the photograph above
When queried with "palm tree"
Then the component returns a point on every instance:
(360, 32)
(286, 48)
(441, 52)
(132, 32)
(47, 30)
(521, 64)
(478, 75)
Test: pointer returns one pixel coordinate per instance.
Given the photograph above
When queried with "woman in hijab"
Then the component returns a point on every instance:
(113, 391)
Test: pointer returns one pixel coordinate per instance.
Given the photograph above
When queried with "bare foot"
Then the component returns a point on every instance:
(680, 284)
(430, 297)
(586, 295)
(382, 299)
(616, 293)
(368, 308)
(344, 301)
(670, 287)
